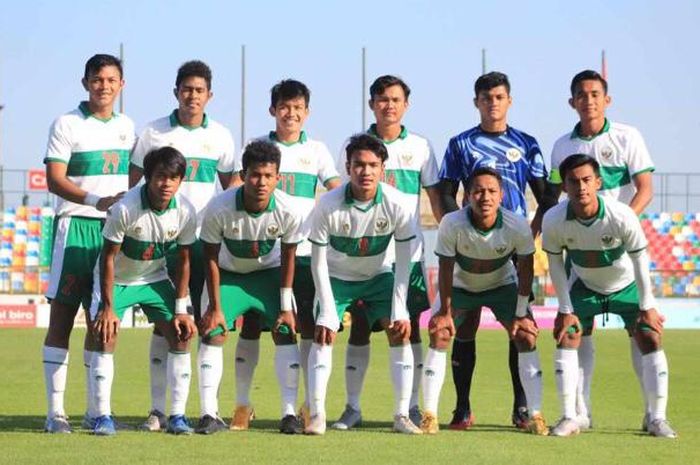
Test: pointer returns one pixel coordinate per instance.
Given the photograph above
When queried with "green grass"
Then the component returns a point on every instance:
(615, 439)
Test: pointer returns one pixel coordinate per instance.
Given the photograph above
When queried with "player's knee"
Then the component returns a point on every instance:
(571, 339)
(359, 332)
(415, 330)
(217, 340)
(440, 340)
(648, 340)
(525, 342)
(251, 328)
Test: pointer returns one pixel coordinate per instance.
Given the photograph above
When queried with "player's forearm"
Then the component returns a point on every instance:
(182, 272)
(107, 280)
(561, 285)
(448, 195)
(642, 198)
(526, 274)
(445, 279)
(435, 203)
(640, 261)
(135, 174)
(66, 189)
(328, 316)
(287, 265)
(401, 278)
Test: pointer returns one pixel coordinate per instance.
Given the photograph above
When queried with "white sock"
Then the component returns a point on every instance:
(417, 349)
(637, 364)
(356, 363)
(287, 370)
(89, 394)
(179, 370)
(55, 374)
(102, 374)
(432, 377)
(210, 363)
(401, 367)
(304, 349)
(247, 355)
(531, 377)
(158, 361)
(566, 376)
(586, 362)
(655, 370)
(320, 366)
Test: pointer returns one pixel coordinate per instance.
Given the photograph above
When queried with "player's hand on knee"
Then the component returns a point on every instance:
(288, 319)
(565, 323)
(185, 328)
(400, 329)
(651, 318)
(524, 324)
(441, 326)
(211, 320)
(323, 335)
(106, 325)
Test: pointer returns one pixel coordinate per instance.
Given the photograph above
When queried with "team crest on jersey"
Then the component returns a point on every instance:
(206, 148)
(407, 158)
(500, 249)
(346, 227)
(171, 233)
(476, 154)
(122, 137)
(607, 240)
(235, 230)
(137, 230)
(606, 153)
(513, 155)
(273, 230)
(305, 161)
(569, 240)
(381, 225)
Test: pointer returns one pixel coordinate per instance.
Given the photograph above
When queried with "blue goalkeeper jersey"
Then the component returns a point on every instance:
(514, 154)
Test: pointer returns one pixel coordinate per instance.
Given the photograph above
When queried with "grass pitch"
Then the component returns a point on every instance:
(617, 412)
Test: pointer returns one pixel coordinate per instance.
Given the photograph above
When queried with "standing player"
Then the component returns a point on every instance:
(86, 167)
(305, 163)
(351, 231)
(481, 239)
(517, 158)
(626, 170)
(150, 221)
(610, 273)
(411, 164)
(259, 228)
(208, 148)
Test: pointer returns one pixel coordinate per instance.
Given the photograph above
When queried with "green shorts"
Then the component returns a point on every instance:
(157, 300)
(370, 299)
(197, 273)
(501, 300)
(77, 243)
(258, 291)
(588, 303)
(304, 290)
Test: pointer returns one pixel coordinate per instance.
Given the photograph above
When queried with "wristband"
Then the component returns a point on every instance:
(521, 306)
(91, 199)
(286, 299)
(181, 305)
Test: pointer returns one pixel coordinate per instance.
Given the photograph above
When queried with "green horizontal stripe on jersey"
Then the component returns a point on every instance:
(200, 170)
(614, 176)
(481, 266)
(298, 184)
(365, 246)
(595, 258)
(98, 163)
(146, 251)
(407, 181)
(241, 248)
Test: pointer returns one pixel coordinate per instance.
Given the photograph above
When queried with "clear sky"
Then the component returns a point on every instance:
(652, 50)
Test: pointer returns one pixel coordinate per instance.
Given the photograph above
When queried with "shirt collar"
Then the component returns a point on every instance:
(175, 121)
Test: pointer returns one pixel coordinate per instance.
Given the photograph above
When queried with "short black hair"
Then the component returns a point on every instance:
(261, 152)
(483, 171)
(193, 68)
(365, 141)
(488, 81)
(588, 75)
(383, 82)
(289, 89)
(576, 160)
(99, 61)
(167, 157)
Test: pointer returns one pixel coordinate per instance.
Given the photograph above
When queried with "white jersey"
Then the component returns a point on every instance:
(410, 166)
(618, 148)
(483, 258)
(147, 236)
(208, 149)
(599, 250)
(357, 236)
(251, 241)
(97, 154)
(304, 164)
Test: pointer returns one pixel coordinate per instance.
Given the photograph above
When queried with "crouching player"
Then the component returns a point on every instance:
(140, 230)
(253, 272)
(350, 232)
(610, 273)
(481, 239)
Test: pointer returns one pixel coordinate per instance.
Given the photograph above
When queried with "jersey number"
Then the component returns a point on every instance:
(287, 183)
(390, 179)
(194, 167)
(148, 253)
(111, 163)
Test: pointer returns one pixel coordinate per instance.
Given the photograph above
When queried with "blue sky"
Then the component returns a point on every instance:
(435, 46)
